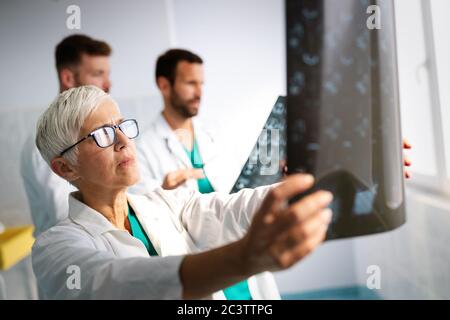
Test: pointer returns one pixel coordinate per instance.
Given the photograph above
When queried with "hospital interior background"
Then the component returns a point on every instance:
(243, 46)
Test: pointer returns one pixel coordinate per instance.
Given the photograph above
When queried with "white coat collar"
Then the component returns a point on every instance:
(163, 129)
(207, 146)
(96, 224)
(91, 220)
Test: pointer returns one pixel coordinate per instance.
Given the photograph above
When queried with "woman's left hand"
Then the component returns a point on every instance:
(406, 160)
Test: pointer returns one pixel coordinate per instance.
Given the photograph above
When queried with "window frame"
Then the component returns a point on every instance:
(440, 183)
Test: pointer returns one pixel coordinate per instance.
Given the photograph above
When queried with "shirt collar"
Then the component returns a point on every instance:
(164, 130)
(91, 220)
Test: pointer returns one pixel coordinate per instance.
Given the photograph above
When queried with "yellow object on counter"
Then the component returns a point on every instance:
(15, 244)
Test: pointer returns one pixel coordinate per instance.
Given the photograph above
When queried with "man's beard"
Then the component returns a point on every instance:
(182, 107)
(79, 84)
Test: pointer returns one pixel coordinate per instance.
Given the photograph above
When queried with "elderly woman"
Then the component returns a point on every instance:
(166, 244)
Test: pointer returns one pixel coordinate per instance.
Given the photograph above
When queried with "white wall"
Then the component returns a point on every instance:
(30, 30)
(330, 266)
(413, 260)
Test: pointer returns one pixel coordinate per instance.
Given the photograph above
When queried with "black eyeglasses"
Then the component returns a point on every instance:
(105, 136)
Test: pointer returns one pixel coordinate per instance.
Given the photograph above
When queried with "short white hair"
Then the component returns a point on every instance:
(59, 126)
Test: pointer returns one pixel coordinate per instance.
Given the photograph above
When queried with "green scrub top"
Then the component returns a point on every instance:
(238, 291)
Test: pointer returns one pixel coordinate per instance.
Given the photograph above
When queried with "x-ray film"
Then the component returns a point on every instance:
(343, 119)
(264, 165)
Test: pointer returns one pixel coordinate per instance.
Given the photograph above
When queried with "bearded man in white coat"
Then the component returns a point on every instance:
(176, 150)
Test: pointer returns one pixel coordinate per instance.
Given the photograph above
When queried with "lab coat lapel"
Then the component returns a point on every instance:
(167, 236)
(123, 245)
(214, 166)
(207, 148)
(150, 223)
(91, 220)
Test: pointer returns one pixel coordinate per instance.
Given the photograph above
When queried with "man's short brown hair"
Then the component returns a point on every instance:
(166, 64)
(68, 52)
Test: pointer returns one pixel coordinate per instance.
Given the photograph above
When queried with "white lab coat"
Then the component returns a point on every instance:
(112, 264)
(159, 152)
(46, 191)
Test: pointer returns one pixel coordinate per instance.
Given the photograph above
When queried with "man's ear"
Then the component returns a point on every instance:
(164, 86)
(67, 78)
(64, 169)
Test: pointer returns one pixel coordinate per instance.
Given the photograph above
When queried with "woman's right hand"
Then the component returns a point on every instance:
(278, 237)
(281, 235)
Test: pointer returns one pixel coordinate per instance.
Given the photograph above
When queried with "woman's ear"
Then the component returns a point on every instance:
(64, 169)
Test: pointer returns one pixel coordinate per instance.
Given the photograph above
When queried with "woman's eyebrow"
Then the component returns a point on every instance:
(109, 124)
